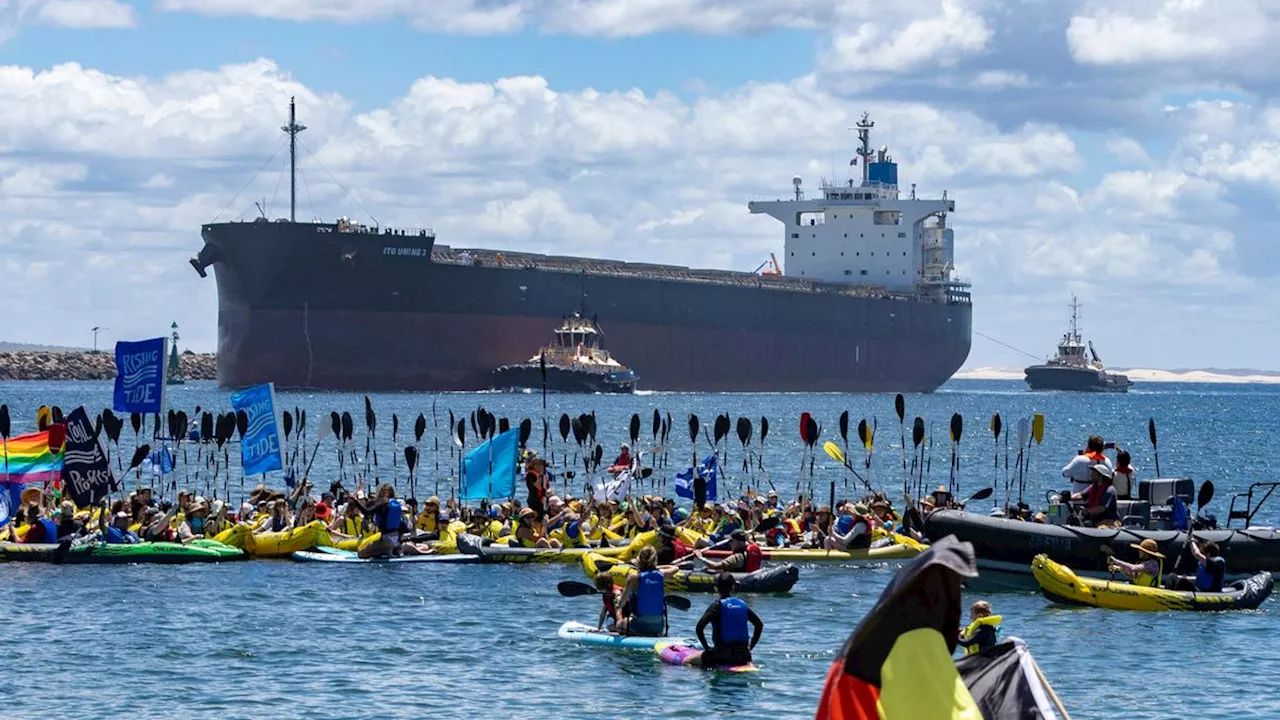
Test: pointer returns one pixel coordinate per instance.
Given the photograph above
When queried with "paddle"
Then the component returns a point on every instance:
(1202, 499)
(833, 451)
(996, 426)
(1151, 430)
(573, 588)
(982, 494)
(957, 429)
(900, 407)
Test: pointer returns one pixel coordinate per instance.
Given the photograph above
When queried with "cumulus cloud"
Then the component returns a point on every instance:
(85, 14)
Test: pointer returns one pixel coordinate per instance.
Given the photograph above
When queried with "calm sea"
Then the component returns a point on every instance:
(279, 639)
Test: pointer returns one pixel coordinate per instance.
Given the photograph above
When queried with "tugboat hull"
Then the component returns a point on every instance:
(1060, 377)
(563, 379)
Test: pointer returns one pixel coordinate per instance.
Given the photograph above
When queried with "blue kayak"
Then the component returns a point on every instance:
(588, 635)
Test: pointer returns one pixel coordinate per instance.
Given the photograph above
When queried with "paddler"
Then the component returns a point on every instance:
(645, 594)
(1211, 572)
(852, 529)
(118, 532)
(744, 555)
(623, 461)
(728, 617)
(1080, 469)
(1149, 568)
(1100, 499)
(670, 549)
(428, 523)
(193, 525)
(611, 597)
(387, 513)
(983, 630)
(527, 534)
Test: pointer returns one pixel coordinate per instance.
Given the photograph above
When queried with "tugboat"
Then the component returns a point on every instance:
(576, 363)
(1071, 370)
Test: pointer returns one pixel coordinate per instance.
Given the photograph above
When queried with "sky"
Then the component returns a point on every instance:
(1127, 151)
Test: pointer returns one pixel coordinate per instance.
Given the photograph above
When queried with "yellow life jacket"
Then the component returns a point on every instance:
(1145, 579)
(428, 523)
(992, 621)
(353, 526)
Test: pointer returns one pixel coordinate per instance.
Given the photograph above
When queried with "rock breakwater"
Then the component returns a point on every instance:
(89, 366)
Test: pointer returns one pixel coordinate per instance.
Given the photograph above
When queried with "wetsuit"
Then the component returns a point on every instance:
(730, 646)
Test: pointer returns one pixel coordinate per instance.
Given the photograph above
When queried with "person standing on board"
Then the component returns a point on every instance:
(728, 617)
(1078, 471)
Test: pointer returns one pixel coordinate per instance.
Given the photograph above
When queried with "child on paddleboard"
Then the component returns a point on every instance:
(612, 602)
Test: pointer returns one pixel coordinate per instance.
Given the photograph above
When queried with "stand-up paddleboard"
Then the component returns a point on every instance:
(678, 654)
(588, 635)
(334, 555)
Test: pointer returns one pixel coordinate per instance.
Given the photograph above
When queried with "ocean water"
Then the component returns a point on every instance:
(275, 638)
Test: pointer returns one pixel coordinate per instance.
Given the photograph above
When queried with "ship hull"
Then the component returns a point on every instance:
(1052, 377)
(563, 379)
(305, 306)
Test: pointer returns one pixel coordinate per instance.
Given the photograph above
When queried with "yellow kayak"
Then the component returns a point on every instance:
(286, 543)
(776, 579)
(1060, 584)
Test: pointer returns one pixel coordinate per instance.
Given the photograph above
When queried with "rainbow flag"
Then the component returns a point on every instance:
(31, 460)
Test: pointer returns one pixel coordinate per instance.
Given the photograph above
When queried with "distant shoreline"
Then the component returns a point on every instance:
(1141, 375)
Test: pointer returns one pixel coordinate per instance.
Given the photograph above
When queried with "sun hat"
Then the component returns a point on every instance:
(1148, 547)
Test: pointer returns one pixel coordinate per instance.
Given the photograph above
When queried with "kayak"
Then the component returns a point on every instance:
(334, 555)
(1060, 584)
(679, 654)
(499, 551)
(287, 542)
(818, 555)
(588, 635)
(99, 553)
(777, 579)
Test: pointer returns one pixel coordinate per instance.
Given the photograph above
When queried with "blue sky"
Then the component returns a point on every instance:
(1125, 151)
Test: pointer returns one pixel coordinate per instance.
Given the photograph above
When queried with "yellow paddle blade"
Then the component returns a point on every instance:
(871, 439)
(1037, 428)
(833, 451)
(44, 417)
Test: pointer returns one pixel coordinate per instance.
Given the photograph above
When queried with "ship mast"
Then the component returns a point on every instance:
(864, 136)
(293, 128)
(1075, 329)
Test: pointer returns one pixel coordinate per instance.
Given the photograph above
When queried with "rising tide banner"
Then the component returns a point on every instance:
(140, 376)
(260, 450)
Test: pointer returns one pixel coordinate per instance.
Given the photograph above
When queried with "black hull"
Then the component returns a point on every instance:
(303, 305)
(1057, 377)
(563, 380)
(1013, 543)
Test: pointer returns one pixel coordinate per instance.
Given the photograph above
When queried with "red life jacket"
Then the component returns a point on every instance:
(1096, 457)
(1093, 497)
(754, 558)
(610, 601)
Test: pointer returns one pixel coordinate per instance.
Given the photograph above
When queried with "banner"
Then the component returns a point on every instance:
(707, 470)
(478, 483)
(260, 450)
(85, 469)
(140, 376)
(614, 489)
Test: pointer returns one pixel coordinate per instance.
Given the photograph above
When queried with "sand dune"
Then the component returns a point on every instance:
(1143, 375)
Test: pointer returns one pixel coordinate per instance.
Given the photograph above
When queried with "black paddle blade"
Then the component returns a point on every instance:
(139, 455)
(1151, 430)
(302, 420)
(370, 420)
(335, 424)
(646, 473)
(900, 405)
(996, 425)
(504, 425)
(287, 419)
(675, 602)
(657, 423)
(862, 431)
(411, 457)
(206, 427)
(5, 427)
(542, 366)
(721, 427)
(155, 424)
(348, 426)
(573, 588)
(744, 431)
(591, 426)
(419, 427)
(526, 429)
(957, 427)
(1206, 493)
(460, 433)
(56, 413)
(564, 427)
(666, 431)
(813, 431)
(170, 423)
(844, 426)
(475, 429)
(136, 421)
(184, 423)
(917, 431)
(579, 430)
(597, 457)
(764, 429)
(635, 428)
(982, 494)
(395, 426)
(242, 423)
(693, 428)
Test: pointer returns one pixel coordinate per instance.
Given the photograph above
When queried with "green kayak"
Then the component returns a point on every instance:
(97, 553)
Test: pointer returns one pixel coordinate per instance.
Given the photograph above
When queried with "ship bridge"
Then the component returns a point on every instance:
(866, 234)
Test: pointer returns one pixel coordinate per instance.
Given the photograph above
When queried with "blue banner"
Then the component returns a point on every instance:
(707, 469)
(140, 376)
(500, 454)
(260, 450)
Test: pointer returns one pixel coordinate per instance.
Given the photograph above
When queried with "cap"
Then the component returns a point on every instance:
(554, 500)
(433, 500)
(860, 509)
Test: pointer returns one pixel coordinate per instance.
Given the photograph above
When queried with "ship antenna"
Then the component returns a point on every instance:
(1075, 329)
(293, 128)
(865, 152)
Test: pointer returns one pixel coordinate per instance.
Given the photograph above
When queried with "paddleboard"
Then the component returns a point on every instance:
(335, 555)
(588, 635)
(678, 654)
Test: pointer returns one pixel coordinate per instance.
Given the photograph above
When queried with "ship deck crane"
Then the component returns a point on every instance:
(769, 267)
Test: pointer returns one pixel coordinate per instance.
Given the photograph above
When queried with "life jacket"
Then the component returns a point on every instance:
(1122, 480)
(428, 523)
(1206, 581)
(754, 558)
(50, 530)
(388, 519)
(611, 601)
(733, 621)
(353, 526)
(844, 524)
(650, 596)
(1145, 578)
(794, 529)
(1096, 458)
(1093, 496)
(991, 621)
(573, 535)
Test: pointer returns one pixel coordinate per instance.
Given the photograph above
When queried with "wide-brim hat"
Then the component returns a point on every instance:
(1148, 547)
(32, 496)
(1103, 470)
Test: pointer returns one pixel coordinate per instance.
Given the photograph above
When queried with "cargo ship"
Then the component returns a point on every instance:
(576, 362)
(1071, 369)
(865, 300)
